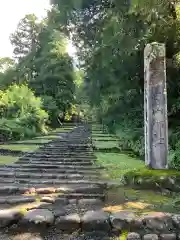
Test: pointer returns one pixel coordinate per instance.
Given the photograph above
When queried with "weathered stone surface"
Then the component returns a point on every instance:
(150, 237)
(170, 236)
(133, 236)
(178, 236)
(72, 201)
(39, 216)
(59, 212)
(48, 199)
(155, 106)
(8, 216)
(8, 189)
(158, 222)
(21, 236)
(89, 201)
(95, 220)
(96, 235)
(45, 190)
(68, 223)
(122, 220)
(61, 201)
(23, 199)
(176, 220)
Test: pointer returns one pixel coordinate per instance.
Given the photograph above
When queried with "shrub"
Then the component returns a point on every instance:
(50, 106)
(21, 113)
(131, 140)
(174, 157)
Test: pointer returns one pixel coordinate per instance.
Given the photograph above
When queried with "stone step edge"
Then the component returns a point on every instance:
(50, 177)
(64, 159)
(48, 198)
(53, 171)
(54, 162)
(48, 190)
(52, 166)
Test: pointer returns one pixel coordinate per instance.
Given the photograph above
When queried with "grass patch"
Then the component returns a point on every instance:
(49, 137)
(117, 164)
(102, 135)
(38, 140)
(99, 138)
(7, 159)
(105, 144)
(62, 130)
(16, 147)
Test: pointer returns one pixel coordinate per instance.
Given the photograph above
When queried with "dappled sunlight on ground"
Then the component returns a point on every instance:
(127, 206)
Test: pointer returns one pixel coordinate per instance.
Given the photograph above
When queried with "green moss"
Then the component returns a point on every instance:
(146, 196)
(117, 164)
(48, 137)
(38, 140)
(20, 147)
(140, 201)
(150, 173)
(106, 144)
(7, 159)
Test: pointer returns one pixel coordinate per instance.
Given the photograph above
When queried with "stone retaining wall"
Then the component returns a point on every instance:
(150, 226)
(152, 236)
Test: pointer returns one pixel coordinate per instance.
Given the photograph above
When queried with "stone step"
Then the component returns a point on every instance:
(86, 187)
(59, 144)
(78, 164)
(62, 154)
(49, 176)
(7, 201)
(66, 145)
(47, 182)
(53, 166)
(70, 159)
(55, 171)
(11, 200)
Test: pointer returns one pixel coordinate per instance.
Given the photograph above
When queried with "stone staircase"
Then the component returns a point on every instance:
(56, 193)
(58, 186)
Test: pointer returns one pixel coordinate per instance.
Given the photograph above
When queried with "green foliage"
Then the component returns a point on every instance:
(6, 63)
(21, 113)
(24, 39)
(174, 157)
(131, 140)
(43, 64)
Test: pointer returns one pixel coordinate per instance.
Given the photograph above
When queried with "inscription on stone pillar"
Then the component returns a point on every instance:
(155, 106)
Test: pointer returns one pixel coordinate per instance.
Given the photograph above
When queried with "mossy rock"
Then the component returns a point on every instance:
(153, 179)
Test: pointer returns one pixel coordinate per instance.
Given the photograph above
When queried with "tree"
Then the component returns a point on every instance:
(6, 63)
(25, 37)
(45, 65)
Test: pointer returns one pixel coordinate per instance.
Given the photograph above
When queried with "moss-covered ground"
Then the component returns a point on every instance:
(120, 198)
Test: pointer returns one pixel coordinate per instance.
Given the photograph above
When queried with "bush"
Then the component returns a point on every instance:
(131, 140)
(50, 106)
(21, 113)
(174, 157)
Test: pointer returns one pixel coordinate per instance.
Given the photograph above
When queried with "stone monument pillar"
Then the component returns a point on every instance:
(155, 106)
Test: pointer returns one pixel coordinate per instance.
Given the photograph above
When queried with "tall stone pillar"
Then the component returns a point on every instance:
(155, 106)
